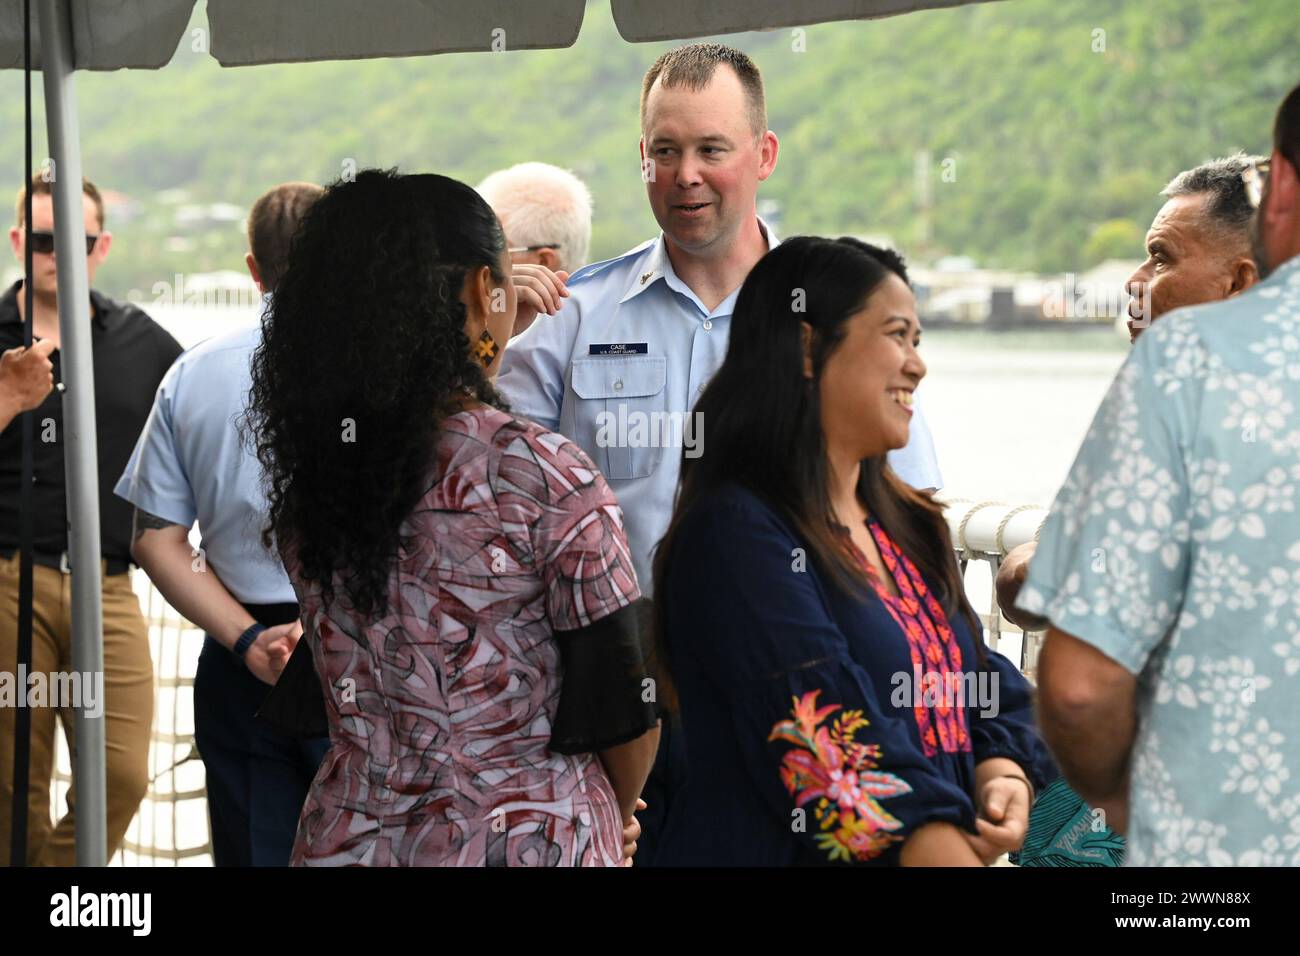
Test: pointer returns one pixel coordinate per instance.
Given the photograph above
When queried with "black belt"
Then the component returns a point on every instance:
(269, 615)
(113, 566)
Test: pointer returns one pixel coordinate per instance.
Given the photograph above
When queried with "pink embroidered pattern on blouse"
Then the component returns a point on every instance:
(938, 686)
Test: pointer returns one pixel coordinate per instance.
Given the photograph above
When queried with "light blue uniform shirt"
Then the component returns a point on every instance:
(623, 409)
(189, 464)
(916, 462)
(1174, 549)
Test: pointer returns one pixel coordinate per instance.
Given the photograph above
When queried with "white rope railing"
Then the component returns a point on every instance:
(982, 534)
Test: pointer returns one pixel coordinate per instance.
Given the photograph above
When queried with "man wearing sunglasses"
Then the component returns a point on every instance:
(130, 353)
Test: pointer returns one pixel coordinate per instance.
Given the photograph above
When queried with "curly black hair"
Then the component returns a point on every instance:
(363, 354)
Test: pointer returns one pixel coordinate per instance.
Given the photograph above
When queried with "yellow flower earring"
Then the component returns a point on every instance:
(487, 348)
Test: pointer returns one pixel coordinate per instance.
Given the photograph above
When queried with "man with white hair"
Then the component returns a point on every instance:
(546, 214)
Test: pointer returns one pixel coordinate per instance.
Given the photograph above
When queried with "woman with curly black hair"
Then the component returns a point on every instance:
(451, 561)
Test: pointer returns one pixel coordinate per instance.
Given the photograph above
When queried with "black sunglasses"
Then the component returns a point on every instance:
(43, 243)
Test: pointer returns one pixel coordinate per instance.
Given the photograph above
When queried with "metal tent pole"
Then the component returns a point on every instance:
(80, 448)
(22, 748)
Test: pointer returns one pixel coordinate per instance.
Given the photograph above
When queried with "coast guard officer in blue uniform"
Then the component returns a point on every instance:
(640, 335)
(632, 341)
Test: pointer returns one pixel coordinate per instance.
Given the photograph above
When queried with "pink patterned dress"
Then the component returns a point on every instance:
(441, 711)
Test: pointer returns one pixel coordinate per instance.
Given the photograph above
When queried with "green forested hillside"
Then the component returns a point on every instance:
(1057, 122)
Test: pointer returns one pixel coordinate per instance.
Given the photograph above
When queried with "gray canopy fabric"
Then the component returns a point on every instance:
(143, 34)
(106, 34)
(256, 31)
(70, 35)
(641, 22)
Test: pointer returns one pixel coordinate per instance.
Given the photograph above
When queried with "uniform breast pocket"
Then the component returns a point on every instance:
(620, 412)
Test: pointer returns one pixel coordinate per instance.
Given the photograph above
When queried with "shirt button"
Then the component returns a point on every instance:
(618, 385)
(708, 324)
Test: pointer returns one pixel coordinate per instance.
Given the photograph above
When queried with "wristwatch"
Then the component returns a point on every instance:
(249, 636)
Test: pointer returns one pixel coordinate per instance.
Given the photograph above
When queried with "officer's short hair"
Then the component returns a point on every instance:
(692, 67)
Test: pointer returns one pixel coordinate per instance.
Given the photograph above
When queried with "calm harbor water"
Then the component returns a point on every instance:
(1007, 409)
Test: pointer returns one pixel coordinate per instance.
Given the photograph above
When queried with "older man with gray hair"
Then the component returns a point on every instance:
(1198, 250)
(546, 214)
(1198, 247)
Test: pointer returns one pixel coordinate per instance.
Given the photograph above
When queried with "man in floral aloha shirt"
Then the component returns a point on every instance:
(1170, 570)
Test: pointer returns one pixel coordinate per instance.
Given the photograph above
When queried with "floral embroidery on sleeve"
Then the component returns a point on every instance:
(840, 774)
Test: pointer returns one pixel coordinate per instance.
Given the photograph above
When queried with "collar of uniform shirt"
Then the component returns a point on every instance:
(99, 306)
(659, 266)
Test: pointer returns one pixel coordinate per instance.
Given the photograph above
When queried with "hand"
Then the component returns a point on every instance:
(1011, 577)
(270, 652)
(1002, 820)
(27, 374)
(631, 833)
(539, 290)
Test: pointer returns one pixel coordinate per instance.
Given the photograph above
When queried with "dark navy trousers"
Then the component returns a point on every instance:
(257, 778)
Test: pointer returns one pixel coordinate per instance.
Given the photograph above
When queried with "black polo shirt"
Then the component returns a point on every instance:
(131, 353)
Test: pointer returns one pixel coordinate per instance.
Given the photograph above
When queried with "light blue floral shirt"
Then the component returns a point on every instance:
(1174, 548)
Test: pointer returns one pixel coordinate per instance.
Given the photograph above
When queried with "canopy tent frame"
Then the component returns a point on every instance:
(80, 441)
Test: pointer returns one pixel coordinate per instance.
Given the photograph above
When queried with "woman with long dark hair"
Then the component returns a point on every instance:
(837, 700)
(451, 561)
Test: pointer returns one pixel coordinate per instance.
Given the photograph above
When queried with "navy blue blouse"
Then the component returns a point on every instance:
(822, 727)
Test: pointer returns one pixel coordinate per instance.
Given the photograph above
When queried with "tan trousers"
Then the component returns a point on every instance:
(127, 704)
